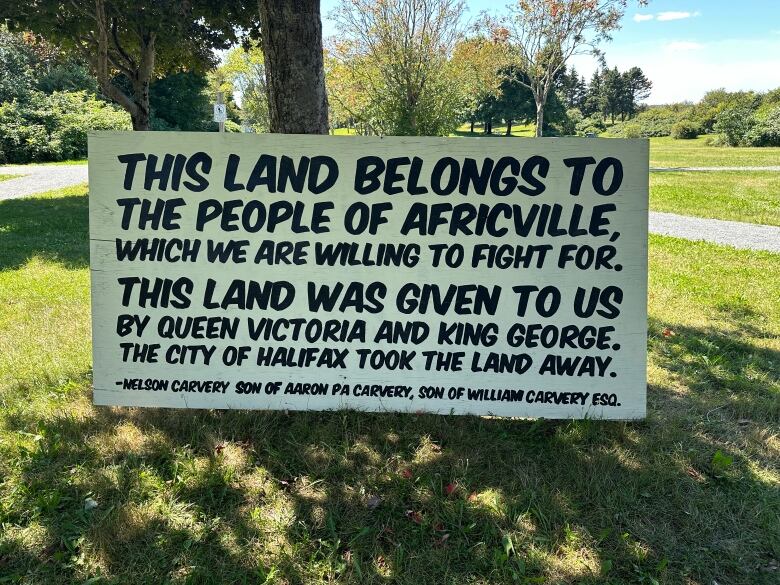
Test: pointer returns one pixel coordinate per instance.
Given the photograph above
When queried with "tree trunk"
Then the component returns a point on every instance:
(292, 47)
(489, 126)
(140, 78)
(472, 126)
(509, 127)
(539, 119)
(142, 83)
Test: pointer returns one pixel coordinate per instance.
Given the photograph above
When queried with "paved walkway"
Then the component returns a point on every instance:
(39, 178)
(747, 236)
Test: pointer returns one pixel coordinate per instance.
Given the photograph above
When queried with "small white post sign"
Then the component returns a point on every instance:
(220, 113)
(484, 276)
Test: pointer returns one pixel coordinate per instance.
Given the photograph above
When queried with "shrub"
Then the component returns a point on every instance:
(568, 126)
(54, 127)
(765, 130)
(735, 122)
(593, 124)
(631, 130)
(685, 130)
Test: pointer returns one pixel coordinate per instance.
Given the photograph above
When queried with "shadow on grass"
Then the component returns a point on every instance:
(247, 497)
(240, 496)
(55, 228)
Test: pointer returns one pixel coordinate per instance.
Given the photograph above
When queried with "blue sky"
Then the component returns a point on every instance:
(685, 47)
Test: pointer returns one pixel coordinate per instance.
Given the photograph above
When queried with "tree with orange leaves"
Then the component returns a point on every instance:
(545, 34)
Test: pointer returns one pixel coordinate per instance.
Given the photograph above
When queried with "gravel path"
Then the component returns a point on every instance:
(39, 178)
(747, 236)
(774, 168)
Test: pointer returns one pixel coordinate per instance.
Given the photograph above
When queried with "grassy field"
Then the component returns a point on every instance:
(740, 196)
(689, 496)
(6, 177)
(668, 152)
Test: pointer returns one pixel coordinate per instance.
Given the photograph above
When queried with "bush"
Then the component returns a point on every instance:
(735, 122)
(685, 130)
(765, 130)
(572, 118)
(54, 127)
(593, 124)
(631, 130)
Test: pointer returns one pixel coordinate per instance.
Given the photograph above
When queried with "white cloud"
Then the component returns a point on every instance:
(736, 64)
(683, 46)
(642, 17)
(673, 15)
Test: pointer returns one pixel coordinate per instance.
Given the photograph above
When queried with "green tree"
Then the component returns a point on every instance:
(294, 62)
(572, 88)
(397, 55)
(547, 33)
(477, 62)
(138, 39)
(637, 88)
(594, 99)
(243, 73)
(180, 102)
(613, 92)
(17, 67)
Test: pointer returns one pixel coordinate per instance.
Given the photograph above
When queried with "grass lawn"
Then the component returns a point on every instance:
(524, 130)
(740, 196)
(689, 496)
(6, 177)
(667, 152)
(465, 130)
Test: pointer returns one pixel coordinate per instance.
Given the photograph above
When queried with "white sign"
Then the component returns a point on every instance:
(220, 113)
(487, 276)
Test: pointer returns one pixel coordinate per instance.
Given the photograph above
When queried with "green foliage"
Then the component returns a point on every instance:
(243, 72)
(656, 120)
(54, 127)
(721, 463)
(29, 63)
(16, 67)
(632, 130)
(766, 128)
(179, 102)
(734, 123)
(572, 119)
(591, 125)
(685, 130)
(67, 76)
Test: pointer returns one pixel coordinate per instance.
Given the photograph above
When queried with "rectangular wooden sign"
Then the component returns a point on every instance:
(447, 275)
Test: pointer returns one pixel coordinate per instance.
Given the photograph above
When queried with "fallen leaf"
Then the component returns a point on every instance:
(472, 497)
(435, 447)
(414, 516)
(441, 541)
(90, 504)
(373, 502)
(450, 488)
(219, 448)
(668, 332)
(407, 473)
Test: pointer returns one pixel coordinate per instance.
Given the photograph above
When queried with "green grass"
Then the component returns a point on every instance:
(6, 177)
(739, 196)
(465, 130)
(668, 152)
(688, 496)
(524, 130)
